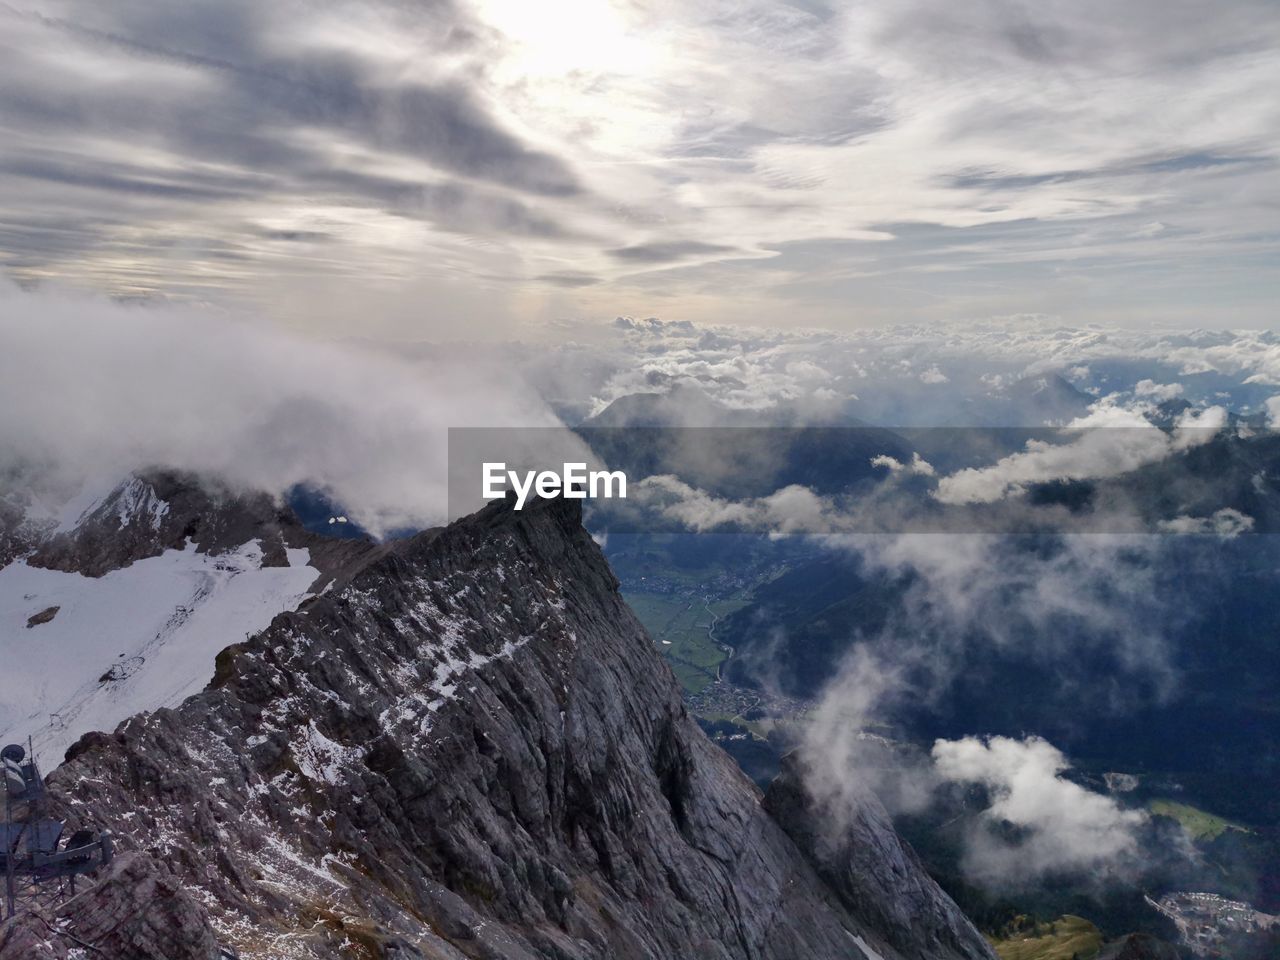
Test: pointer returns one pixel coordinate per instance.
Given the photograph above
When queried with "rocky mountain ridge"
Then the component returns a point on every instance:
(467, 746)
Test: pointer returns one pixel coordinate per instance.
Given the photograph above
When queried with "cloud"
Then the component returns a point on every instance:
(469, 138)
(972, 592)
(1110, 441)
(1061, 826)
(917, 467)
(668, 252)
(1226, 523)
(569, 278)
(791, 509)
(193, 148)
(1158, 392)
(843, 758)
(90, 388)
(323, 87)
(1035, 823)
(934, 375)
(1088, 610)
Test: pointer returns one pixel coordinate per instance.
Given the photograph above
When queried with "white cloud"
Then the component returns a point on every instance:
(1059, 826)
(1064, 826)
(1109, 441)
(90, 387)
(1226, 523)
(807, 370)
(843, 759)
(1158, 392)
(1194, 428)
(934, 375)
(790, 509)
(917, 467)
(1096, 589)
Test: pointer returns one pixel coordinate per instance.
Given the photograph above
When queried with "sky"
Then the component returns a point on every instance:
(404, 170)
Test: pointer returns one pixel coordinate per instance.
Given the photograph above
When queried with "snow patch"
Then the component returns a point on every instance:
(134, 640)
(322, 759)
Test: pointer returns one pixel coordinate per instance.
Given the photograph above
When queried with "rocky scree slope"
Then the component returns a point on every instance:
(468, 747)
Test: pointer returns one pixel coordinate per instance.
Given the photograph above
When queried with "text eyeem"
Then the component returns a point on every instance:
(574, 482)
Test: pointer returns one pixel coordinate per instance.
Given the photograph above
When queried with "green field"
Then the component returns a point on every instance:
(679, 626)
(1067, 938)
(1200, 824)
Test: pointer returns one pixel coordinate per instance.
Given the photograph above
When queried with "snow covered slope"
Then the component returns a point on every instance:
(134, 639)
(118, 599)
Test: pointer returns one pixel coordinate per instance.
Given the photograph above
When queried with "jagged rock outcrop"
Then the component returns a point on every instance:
(19, 534)
(468, 747)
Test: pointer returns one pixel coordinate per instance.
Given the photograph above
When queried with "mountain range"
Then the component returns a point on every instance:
(459, 744)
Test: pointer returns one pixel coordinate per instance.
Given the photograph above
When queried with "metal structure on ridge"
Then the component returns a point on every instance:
(40, 865)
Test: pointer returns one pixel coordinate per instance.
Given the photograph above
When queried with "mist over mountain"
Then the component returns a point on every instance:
(884, 654)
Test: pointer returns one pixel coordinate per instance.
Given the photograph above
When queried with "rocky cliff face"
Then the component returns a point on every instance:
(466, 746)
(860, 856)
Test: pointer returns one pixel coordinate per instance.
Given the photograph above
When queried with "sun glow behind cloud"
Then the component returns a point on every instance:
(565, 37)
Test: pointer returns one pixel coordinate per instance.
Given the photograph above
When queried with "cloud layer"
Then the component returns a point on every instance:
(92, 390)
(760, 160)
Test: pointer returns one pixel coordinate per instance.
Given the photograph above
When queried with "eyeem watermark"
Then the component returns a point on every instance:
(574, 482)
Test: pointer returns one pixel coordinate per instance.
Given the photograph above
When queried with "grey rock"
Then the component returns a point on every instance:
(19, 535)
(31, 936)
(44, 616)
(1139, 946)
(876, 873)
(137, 910)
(468, 747)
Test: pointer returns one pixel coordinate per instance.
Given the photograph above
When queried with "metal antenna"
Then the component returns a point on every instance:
(10, 853)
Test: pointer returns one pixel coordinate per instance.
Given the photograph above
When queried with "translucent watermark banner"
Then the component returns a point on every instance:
(1182, 478)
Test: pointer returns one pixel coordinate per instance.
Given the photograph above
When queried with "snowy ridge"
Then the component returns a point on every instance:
(133, 500)
(137, 500)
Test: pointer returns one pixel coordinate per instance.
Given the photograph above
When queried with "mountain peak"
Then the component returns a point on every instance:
(466, 746)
